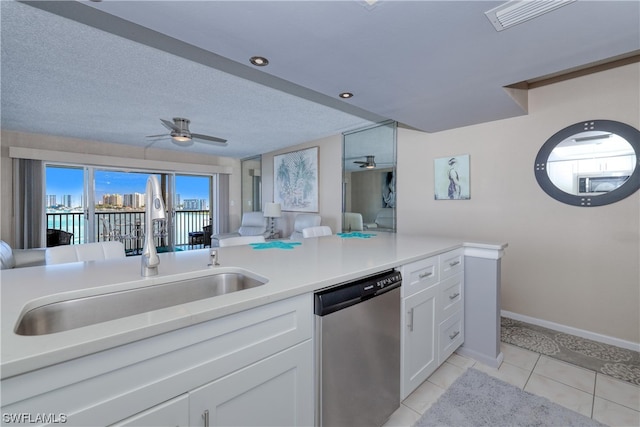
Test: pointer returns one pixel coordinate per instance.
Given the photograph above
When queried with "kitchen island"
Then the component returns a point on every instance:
(34, 367)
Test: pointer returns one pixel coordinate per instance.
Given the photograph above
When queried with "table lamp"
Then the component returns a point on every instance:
(271, 211)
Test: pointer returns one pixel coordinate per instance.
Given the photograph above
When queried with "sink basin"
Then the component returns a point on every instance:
(75, 313)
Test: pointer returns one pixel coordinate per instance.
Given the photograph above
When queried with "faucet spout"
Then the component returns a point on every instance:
(153, 211)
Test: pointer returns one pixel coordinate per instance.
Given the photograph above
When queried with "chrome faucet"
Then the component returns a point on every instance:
(153, 211)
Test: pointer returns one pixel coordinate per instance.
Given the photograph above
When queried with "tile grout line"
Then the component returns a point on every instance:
(531, 372)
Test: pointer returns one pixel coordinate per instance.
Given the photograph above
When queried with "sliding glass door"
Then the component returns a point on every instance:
(100, 204)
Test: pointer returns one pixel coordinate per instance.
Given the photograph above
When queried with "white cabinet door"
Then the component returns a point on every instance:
(276, 391)
(175, 412)
(420, 353)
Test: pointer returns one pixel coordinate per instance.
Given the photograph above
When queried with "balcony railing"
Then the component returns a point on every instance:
(128, 227)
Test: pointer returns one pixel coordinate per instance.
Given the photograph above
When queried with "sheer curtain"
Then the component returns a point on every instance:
(28, 194)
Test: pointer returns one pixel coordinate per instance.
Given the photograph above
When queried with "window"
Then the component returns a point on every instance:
(100, 204)
(64, 202)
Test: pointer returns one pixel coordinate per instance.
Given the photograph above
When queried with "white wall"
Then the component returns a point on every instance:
(569, 265)
(330, 179)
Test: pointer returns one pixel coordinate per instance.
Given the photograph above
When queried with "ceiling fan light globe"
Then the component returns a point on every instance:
(182, 140)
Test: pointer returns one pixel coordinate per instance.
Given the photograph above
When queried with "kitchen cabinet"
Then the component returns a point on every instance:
(418, 340)
(274, 391)
(174, 413)
(432, 316)
(237, 361)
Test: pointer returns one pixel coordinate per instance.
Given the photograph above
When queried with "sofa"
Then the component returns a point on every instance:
(16, 258)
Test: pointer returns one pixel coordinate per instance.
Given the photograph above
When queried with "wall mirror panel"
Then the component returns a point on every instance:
(251, 184)
(369, 179)
(591, 163)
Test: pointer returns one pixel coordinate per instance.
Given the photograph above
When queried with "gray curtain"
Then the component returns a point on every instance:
(221, 207)
(28, 203)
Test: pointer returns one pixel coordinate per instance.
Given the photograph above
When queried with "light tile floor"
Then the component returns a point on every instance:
(605, 399)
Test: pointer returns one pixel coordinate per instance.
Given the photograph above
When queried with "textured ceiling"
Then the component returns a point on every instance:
(109, 71)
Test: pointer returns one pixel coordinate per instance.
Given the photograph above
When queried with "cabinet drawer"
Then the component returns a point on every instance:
(419, 275)
(450, 337)
(450, 299)
(451, 263)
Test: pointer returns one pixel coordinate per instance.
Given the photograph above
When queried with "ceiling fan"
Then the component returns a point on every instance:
(369, 163)
(181, 135)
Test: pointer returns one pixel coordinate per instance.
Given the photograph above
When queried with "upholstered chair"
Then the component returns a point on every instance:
(253, 224)
(303, 221)
(240, 240)
(352, 221)
(319, 231)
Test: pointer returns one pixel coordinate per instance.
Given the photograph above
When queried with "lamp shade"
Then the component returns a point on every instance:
(272, 210)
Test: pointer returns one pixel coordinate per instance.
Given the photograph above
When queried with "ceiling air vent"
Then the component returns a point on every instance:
(517, 11)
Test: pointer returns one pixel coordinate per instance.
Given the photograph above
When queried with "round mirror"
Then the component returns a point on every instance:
(590, 163)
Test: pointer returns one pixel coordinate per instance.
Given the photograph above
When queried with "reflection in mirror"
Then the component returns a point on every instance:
(591, 163)
(369, 179)
(251, 184)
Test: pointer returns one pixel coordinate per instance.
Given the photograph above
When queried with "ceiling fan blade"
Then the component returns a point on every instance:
(162, 135)
(209, 139)
(170, 125)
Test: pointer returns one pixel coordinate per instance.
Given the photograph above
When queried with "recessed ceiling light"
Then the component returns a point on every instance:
(259, 61)
(346, 95)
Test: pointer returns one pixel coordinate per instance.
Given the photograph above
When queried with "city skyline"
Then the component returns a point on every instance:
(68, 181)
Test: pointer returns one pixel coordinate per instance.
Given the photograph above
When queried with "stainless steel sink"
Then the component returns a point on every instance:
(75, 313)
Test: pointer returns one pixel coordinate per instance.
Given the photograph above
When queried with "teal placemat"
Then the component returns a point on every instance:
(275, 245)
(356, 235)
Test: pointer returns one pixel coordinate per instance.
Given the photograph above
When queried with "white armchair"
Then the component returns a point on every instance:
(319, 231)
(14, 258)
(253, 224)
(352, 221)
(85, 252)
(303, 221)
(385, 219)
(241, 240)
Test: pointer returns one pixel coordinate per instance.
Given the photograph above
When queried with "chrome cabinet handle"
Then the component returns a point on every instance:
(426, 274)
(205, 415)
(453, 335)
(454, 296)
(410, 324)
(454, 263)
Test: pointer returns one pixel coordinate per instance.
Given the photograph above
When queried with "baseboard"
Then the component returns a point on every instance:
(629, 345)
(492, 362)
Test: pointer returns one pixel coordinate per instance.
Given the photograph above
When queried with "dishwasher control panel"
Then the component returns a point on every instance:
(346, 294)
(371, 288)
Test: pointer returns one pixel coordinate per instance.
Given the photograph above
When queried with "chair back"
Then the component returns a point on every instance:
(253, 224)
(240, 240)
(206, 231)
(319, 231)
(352, 221)
(385, 218)
(57, 237)
(85, 252)
(303, 221)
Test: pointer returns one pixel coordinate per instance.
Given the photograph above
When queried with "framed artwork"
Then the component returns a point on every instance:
(452, 180)
(296, 180)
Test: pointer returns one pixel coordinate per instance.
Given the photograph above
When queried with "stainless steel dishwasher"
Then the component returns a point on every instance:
(358, 351)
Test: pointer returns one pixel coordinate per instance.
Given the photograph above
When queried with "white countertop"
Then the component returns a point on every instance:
(315, 264)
